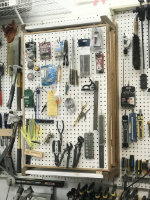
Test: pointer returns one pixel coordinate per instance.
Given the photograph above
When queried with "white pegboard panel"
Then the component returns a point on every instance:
(141, 149)
(70, 133)
(6, 85)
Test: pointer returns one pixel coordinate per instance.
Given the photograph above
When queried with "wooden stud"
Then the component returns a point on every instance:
(34, 153)
(117, 101)
(106, 20)
(6, 132)
(64, 29)
(23, 109)
(113, 94)
(108, 97)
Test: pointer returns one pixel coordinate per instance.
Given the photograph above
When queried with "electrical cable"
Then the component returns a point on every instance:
(127, 189)
(8, 192)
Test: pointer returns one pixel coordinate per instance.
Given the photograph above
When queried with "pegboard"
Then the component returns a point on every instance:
(6, 85)
(140, 149)
(70, 133)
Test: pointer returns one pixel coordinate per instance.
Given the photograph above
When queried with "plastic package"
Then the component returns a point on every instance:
(48, 74)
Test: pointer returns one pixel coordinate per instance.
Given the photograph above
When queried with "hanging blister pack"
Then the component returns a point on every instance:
(140, 125)
(84, 52)
(31, 50)
(125, 126)
(99, 62)
(89, 145)
(48, 74)
(97, 43)
(45, 50)
(128, 96)
(59, 49)
(132, 127)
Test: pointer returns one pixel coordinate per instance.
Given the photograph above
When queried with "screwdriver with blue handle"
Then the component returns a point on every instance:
(131, 163)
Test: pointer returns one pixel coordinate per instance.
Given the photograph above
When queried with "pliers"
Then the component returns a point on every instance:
(68, 150)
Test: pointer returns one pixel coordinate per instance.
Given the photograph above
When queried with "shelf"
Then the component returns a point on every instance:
(31, 8)
(64, 174)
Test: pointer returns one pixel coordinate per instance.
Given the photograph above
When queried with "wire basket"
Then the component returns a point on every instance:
(31, 8)
(4, 4)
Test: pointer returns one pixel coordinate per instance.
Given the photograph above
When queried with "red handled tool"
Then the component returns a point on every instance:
(1, 74)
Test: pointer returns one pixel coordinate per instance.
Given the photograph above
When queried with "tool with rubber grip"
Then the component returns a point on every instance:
(101, 140)
(12, 90)
(1, 74)
(19, 193)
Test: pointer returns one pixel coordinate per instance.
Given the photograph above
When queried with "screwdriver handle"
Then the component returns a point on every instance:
(148, 123)
(0, 98)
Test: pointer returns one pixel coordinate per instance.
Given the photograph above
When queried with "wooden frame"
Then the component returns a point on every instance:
(113, 104)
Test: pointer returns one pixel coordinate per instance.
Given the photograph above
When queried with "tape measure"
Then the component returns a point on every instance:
(36, 68)
(30, 76)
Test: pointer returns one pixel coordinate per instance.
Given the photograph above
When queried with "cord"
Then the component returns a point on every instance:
(8, 192)
(121, 198)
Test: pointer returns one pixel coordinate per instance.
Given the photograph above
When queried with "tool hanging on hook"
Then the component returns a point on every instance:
(90, 87)
(136, 55)
(127, 44)
(148, 19)
(141, 16)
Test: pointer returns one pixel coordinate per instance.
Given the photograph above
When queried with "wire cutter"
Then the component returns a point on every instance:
(60, 131)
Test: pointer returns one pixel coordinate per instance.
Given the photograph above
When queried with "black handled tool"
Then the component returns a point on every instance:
(1, 74)
(125, 125)
(65, 54)
(26, 193)
(141, 16)
(6, 162)
(12, 90)
(148, 19)
(77, 151)
(113, 192)
(19, 151)
(19, 81)
(19, 193)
